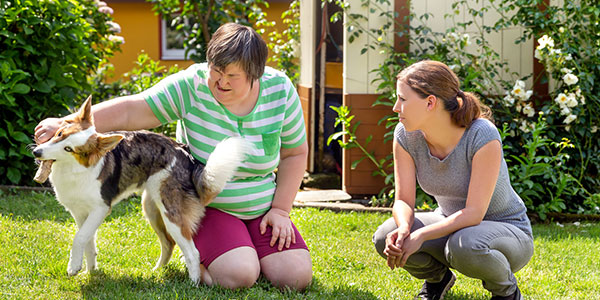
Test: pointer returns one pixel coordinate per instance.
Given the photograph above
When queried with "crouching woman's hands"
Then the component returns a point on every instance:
(394, 244)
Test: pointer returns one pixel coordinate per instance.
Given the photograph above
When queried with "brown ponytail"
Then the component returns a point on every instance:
(430, 77)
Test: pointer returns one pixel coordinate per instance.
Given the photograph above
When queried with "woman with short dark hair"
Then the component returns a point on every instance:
(247, 229)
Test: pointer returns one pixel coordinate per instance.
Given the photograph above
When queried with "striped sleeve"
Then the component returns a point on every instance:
(166, 98)
(293, 132)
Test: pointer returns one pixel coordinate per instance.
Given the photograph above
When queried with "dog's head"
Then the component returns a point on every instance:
(77, 140)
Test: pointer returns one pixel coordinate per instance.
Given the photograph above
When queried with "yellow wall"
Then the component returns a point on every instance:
(140, 28)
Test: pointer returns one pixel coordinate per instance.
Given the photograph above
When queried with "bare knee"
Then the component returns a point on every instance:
(238, 268)
(289, 269)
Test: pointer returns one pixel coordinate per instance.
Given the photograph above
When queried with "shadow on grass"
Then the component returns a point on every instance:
(172, 283)
(31, 205)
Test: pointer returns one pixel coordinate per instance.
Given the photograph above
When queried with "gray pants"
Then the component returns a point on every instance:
(491, 251)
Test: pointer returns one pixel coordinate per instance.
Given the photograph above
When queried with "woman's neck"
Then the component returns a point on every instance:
(442, 136)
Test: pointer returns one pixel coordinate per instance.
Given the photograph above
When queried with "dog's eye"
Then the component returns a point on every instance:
(59, 133)
(68, 149)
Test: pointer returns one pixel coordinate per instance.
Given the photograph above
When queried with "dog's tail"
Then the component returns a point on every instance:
(220, 167)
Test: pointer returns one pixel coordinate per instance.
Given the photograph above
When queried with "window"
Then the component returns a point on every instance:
(171, 44)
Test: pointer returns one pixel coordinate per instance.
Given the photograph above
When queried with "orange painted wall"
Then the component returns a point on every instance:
(140, 28)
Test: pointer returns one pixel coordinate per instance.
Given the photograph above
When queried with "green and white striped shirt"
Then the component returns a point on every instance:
(276, 121)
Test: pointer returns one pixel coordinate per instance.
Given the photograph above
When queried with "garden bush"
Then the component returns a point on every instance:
(47, 50)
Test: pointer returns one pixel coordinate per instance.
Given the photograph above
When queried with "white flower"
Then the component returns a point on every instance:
(570, 118)
(520, 83)
(455, 68)
(519, 89)
(565, 110)
(538, 54)
(105, 9)
(570, 79)
(561, 99)
(594, 129)
(452, 36)
(571, 100)
(467, 39)
(568, 57)
(578, 92)
(582, 100)
(113, 27)
(116, 39)
(528, 110)
(561, 29)
(566, 70)
(508, 100)
(545, 41)
(528, 95)
(524, 127)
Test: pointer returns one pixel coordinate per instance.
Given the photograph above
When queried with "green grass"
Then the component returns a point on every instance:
(36, 232)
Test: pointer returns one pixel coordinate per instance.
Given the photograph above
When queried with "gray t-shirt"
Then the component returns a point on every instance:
(447, 180)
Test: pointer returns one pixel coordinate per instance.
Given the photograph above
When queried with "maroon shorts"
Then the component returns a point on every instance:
(220, 232)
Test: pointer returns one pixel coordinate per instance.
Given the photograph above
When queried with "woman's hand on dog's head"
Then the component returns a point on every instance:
(46, 129)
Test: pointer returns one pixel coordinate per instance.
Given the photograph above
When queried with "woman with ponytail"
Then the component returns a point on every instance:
(446, 141)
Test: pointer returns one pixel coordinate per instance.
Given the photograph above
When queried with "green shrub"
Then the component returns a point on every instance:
(47, 50)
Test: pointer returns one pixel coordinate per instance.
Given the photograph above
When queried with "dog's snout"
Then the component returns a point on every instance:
(37, 153)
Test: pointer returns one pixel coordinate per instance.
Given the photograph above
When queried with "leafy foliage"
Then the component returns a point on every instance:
(285, 44)
(145, 74)
(198, 19)
(47, 50)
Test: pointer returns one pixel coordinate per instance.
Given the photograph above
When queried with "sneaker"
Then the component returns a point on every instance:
(437, 291)
(515, 296)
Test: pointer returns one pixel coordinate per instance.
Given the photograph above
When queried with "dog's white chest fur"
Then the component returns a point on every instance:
(77, 187)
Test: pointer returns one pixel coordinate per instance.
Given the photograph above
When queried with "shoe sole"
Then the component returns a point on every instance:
(448, 286)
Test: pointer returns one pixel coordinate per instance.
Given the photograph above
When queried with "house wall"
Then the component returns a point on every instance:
(306, 82)
(140, 28)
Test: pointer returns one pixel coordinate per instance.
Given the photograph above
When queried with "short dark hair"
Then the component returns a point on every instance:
(235, 43)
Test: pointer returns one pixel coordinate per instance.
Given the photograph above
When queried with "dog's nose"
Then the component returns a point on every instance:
(37, 153)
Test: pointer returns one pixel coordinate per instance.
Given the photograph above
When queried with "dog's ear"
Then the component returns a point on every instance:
(85, 112)
(108, 142)
(104, 144)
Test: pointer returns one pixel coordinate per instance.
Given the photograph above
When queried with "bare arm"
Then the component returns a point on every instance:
(484, 174)
(289, 176)
(124, 113)
(404, 204)
(405, 185)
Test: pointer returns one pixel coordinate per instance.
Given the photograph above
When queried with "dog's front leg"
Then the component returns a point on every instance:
(84, 235)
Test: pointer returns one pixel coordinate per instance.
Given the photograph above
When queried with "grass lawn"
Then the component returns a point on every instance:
(36, 233)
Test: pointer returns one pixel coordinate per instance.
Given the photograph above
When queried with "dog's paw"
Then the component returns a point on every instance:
(73, 268)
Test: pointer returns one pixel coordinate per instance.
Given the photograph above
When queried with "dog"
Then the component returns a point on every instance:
(91, 172)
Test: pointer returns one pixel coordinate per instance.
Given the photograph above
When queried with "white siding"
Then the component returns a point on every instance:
(357, 67)
(307, 42)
